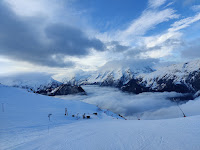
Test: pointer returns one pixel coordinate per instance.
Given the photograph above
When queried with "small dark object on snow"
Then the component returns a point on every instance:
(84, 116)
(73, 115)
(95, 113)
(88, 117)
(49, 115)
(66, 113)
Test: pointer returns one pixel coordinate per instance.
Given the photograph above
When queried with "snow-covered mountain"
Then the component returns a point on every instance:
(111, 74)
(183, 78)
(77, 78)
(40, 83)
(179, 74)
(116, 77)
(30, 81)
(141, 77)
(136, 78)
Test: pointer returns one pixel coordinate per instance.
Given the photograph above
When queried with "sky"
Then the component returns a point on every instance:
(69, 35)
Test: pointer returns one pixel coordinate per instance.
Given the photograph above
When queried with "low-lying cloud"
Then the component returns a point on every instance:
(143, 106)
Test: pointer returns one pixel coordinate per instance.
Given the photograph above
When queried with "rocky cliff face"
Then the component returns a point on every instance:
(134, 86)
(66, 90)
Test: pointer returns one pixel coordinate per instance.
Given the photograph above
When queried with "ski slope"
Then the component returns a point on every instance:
(172, 134)
(25, 125)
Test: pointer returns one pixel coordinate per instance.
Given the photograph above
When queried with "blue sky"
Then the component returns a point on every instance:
(110, 14)
(70, 35)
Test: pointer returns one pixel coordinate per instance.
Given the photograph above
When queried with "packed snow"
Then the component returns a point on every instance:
(25, 125)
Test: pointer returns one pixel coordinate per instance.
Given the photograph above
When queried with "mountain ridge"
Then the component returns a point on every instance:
(181, 78)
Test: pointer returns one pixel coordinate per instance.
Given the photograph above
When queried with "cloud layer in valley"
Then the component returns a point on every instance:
(143, 106)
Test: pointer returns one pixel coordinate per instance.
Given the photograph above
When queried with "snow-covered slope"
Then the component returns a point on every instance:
(25, 125)
(25, 109)
(172, 134)
(30, 81)
(23, 112)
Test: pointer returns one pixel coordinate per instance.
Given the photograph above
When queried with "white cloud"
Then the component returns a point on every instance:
(134, 34)
(148, 20)
(138, 27)
(169, 4)
(53, 11)
(33, 7)
(8, 67)
(157, 53)
(90, 62)
(160, 45)
(173, 34)
(181, 24)
(156, 3)
(196, 8)
(157, 40)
